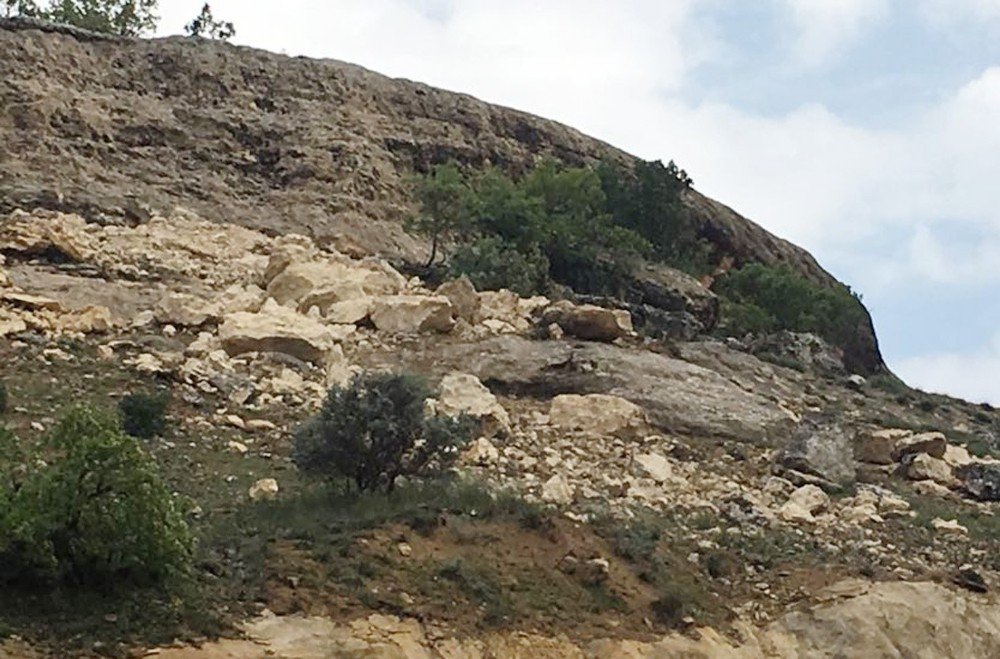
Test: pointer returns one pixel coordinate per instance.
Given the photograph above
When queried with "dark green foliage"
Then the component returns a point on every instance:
(647, 200)
(761, 298)
(143, 415)
(553, 221)
(96, 513)
(374, 430)
(130, 18)
(205, 25)
(491, 264)
(26, 8)
(446, 203)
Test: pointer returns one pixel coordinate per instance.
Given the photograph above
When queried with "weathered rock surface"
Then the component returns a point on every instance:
(258, 147)
(824, 451)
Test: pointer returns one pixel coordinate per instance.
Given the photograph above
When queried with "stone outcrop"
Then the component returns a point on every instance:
(462, 393)
(241, 143)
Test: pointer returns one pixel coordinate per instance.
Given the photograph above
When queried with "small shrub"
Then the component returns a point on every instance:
(3, 398)
(374, 430)
(143, 415)
(96, 513)
(670, 608)
(205, 25)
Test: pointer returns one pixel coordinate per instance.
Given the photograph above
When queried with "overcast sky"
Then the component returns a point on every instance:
(867, 131)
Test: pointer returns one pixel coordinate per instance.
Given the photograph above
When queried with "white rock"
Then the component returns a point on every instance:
(264, 489)
(595, 414)
(948, 527)
(276, 329)
(925, 467)
(409, 314)
(656, 466)
(462, 393)
(804, 503)
(557, 490)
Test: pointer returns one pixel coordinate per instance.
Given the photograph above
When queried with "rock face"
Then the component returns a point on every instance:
(824, 451)
(256, 148)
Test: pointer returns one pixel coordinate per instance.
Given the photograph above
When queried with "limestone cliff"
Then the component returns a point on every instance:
(111, 128)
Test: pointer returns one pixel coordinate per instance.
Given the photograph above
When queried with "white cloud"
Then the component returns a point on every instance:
(954, 13)
(974, 376)
(826, 27)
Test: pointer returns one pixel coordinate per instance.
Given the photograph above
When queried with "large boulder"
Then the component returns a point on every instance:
(276, 329)
(323, 281)
(825, 451)
(588, 321)
(185, 310)
(408, 314)
(463, 296)
(595, 414)
(462, 393)
(878, 446)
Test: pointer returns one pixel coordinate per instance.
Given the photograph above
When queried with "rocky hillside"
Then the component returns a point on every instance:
(205, 228)
(119, 128)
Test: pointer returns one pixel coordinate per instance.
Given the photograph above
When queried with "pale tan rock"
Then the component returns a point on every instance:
(948, 527)
(933, 444)
(462, 393)
(463, 296)
(957, 456)
(409, 314)
(502, 305)
(48, 232)
(925, 467)
(264, 489)
(30, 302)
(11, 323)
(481, 452)
(804, 503)
(185, 310)
(589, 322)
(878, 446)
(88, 320)
(557, 490)
(655, 466)
(348, 311)
(595, 414)
(329, 279)
(276, 329)
(930, 488)
(260, 425)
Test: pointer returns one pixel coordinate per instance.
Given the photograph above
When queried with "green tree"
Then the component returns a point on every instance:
(205, 25)
(129, 18)
(374, 430)
(26, 8)
(445, 204)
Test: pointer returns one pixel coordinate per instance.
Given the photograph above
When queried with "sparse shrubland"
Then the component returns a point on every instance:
(143, 415)
(374, 430)
(122, 17)
(95, 512)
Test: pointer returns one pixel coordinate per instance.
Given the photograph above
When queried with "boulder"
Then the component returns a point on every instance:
(557, 490)
(462, 393)
(589, 322)
(923, 466)
(50, 233)
(348, 312)
(878, 446)
(408, 314)
(595, 414)
(826, 452)
(276, 329)
(933, 444)
(655, 466)
(803, 504)
(88, 320)
(184, 310)
(264, 489)
(481, 452)
(463, 297)
(323, 281)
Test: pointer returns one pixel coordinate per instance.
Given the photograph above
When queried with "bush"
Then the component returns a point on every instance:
(763, 298)
(374, 430)
(130, 18)
(3, 398)
(491, 264)
(205, 25)
(143, 415)
(96, 513)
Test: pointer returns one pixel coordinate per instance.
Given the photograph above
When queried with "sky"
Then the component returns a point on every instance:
(866, 131)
